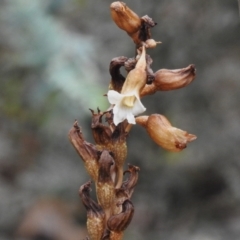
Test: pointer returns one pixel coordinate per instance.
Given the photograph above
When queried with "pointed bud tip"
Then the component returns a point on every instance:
(191, 137)
(151, 43)
(116, 6)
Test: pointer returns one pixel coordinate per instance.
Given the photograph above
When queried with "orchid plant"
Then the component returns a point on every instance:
(110, 215)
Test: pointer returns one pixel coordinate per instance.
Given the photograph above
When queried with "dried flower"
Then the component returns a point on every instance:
(87, 151)
(120, 196)
(95, 213)
(112, 138)
(131, 182)
(119, 222)
(147, 24)
(127, 103)
(101, 133)
(164, 134)
(166, 80)
(118, 79)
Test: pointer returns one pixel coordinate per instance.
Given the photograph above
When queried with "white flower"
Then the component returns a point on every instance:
(127, 103)
(126, 106)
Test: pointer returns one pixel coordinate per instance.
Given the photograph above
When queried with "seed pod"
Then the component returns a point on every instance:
(164, 134)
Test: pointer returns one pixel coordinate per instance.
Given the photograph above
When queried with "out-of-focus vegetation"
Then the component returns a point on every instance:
(54, 59)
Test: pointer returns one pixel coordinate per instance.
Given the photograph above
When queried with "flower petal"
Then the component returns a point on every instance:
(119, 115)
(138, 107)
(114, 97)
(131, 118)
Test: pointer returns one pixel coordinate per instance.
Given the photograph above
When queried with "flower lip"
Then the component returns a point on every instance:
(121, 111)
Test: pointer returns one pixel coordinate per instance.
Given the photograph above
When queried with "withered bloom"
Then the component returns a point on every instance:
(101, 133)
(112, 138)
(119, 222)
(95, 214)
(166, 80)
(120, 196)
(144, 32)
(128, 104)
(86, 150)
(131, 182)
(105, 185)
(164, 134)
(114, 70)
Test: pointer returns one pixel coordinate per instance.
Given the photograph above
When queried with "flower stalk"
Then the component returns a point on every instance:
(108, 218)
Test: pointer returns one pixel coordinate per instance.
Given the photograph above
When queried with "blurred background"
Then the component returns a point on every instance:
(54, 60)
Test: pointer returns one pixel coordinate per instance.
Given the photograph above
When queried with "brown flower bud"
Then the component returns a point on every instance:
(137, 28)
(126, 19)
(164, 134)
(119, 222)
(166, 80)
(95, 214)
(105, 185)
(87, 151)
